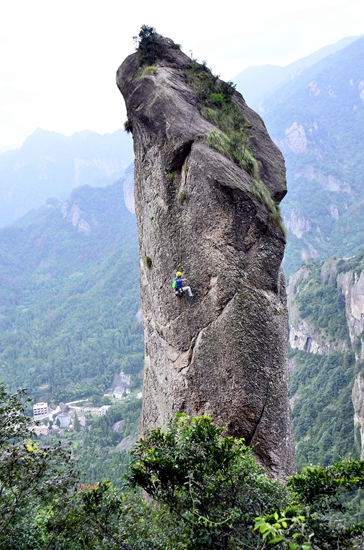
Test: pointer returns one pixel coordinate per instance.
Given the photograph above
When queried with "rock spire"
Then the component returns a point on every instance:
(207, 182)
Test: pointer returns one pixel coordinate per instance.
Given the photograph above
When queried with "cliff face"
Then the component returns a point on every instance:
(352, 286)
(222, 352)
(307, 331)
(358, 402)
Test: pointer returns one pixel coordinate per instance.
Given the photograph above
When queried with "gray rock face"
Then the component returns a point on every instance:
(358, 403)
(222, 352)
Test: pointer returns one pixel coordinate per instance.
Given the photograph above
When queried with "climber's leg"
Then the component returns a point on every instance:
(188, 288)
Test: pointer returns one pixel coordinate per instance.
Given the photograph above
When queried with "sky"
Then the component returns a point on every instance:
(58, 59)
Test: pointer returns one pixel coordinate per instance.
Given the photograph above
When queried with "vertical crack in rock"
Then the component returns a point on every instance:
(223, 352)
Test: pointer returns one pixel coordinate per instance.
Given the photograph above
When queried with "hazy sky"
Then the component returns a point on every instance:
(58, 58)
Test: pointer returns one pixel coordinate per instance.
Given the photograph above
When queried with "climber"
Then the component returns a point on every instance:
(177, 285)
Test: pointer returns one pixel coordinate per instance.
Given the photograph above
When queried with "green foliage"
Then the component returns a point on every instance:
(232, 137)
(319, 491)
(355, 264)
(106, 518)
(208, 492)
(76, 423)
(227, 145)
(31, 476)
(96, 448)
(68, 300)
(147, 45)
(128, 126)
(149, 70)
(316, 516)
(287, 532)
(98, 457)
(42, 504)
(183, 196)
(218, 107)
(322, 303)
(148, 261)
(212, 484)
(322, 412)
(207, 86)
(170, 176)
(261, 193)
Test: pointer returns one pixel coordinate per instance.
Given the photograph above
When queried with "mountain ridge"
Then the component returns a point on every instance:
(317, 121)
(51, 165)
(258, 82)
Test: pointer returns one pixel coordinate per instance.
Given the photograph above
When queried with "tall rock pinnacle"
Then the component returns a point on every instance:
(207, 182)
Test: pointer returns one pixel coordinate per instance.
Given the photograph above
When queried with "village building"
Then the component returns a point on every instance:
(41, 430)
(103, 410)
(81, 417)
(64, 420)
(121, 384)
(40, 409)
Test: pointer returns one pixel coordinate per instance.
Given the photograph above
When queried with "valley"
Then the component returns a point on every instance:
(157, 422)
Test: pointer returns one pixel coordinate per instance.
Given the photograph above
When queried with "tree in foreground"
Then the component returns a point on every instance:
(212, 484)
(43, 506)
(207, 492)
(30, 475)
(319, 515)
(215, 488)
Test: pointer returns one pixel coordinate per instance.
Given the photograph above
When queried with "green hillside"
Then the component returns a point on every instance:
(256, 83)
(326, 362)
(69, 296)
(317, 120)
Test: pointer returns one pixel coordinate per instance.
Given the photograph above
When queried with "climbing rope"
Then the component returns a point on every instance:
(180, 268)
(188, 332)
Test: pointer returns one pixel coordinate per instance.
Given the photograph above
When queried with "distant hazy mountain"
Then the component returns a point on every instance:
(257, 82)
(317, 120)
(51, 165)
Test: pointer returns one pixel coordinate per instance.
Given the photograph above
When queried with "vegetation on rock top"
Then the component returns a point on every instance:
(232, 139)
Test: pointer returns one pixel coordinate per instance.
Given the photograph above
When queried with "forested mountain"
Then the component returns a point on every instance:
(317, 120)
(326, 307)
(69, 296)
(51, 165)
(257, 82)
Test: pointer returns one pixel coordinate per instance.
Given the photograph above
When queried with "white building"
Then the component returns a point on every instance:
(103, 410)
(40, 409)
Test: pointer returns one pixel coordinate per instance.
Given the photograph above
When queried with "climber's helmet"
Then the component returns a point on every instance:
(179, 274)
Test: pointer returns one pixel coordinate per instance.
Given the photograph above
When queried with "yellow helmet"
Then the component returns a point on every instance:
(179, 274)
